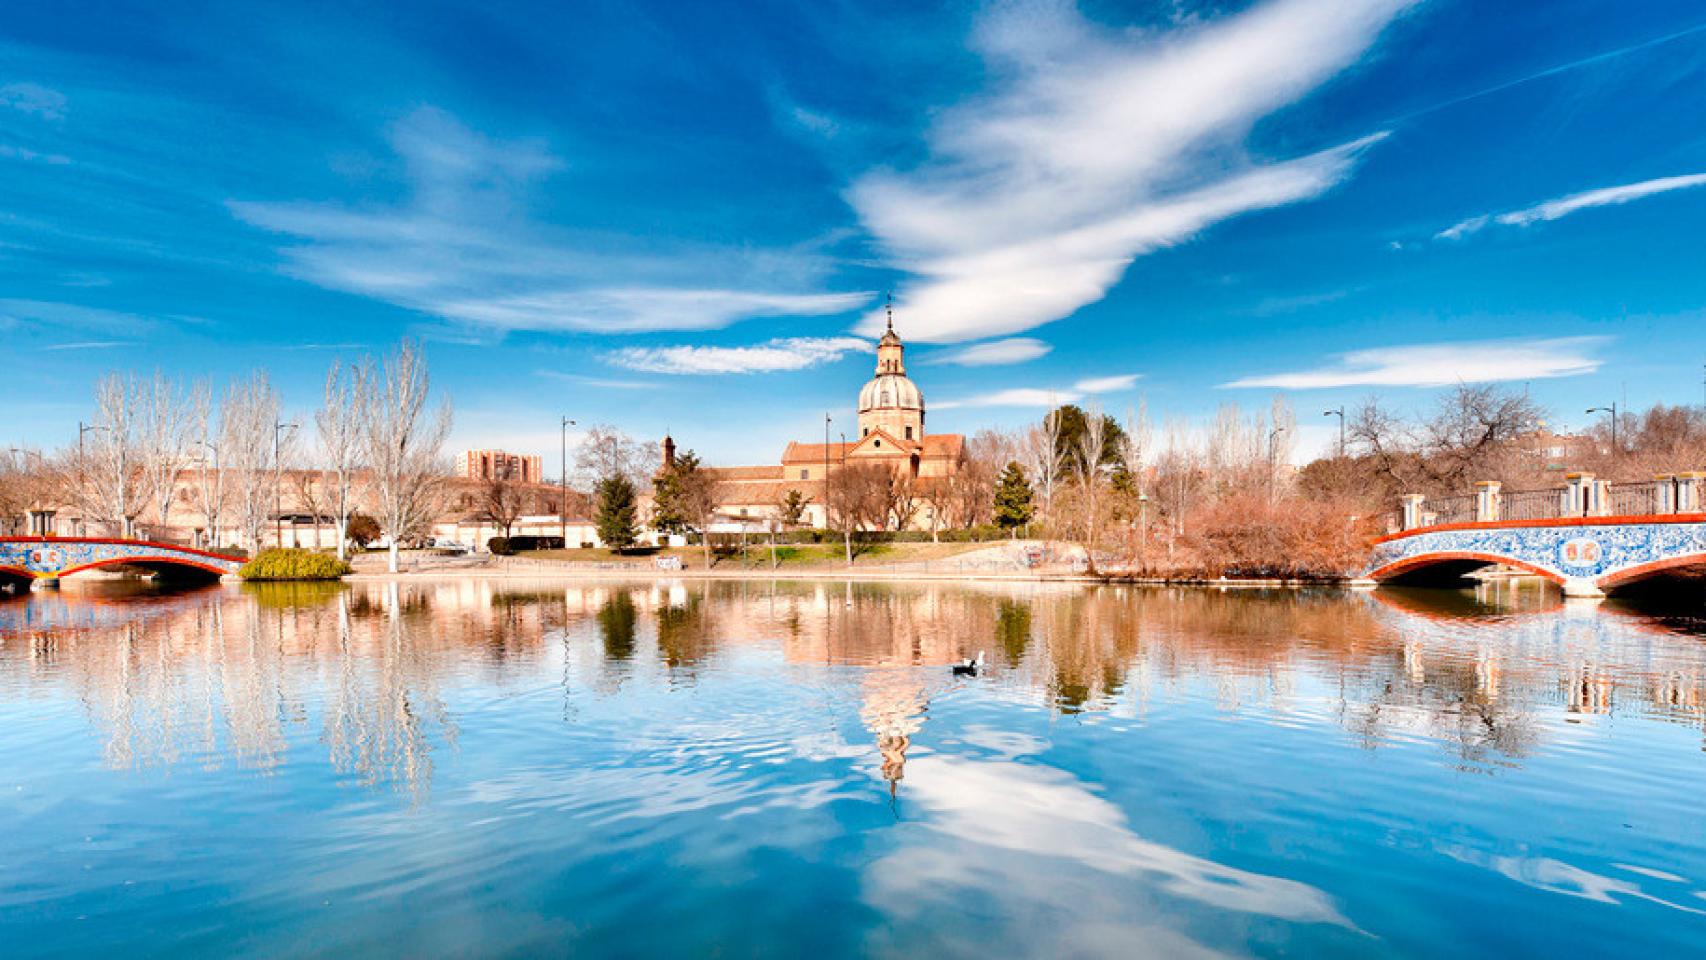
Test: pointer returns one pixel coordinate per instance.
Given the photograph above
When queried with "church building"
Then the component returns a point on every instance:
(891, 434)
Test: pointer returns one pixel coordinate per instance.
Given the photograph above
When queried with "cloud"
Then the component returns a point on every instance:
(88, 345)
(463, 248)
(1124, 381)
(1013, 397)
(1096, 147)
(33, 156)
(994, 353)
(604, 382)
(627, 310)
(1045, 397)
(791, 353)
(33, 98)
(1439, 364)
(48, 315)
(1564, 206)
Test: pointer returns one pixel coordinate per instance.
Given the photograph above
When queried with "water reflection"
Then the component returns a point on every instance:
(220, 675)
(660, 768)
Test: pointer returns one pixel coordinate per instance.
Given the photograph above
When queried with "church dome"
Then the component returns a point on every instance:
(890, 391)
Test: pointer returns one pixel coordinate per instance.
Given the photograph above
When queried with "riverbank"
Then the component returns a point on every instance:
(1012, 561)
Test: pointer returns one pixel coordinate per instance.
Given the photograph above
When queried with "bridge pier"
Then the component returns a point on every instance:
(1582, 588)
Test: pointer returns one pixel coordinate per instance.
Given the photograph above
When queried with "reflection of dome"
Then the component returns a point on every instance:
(890, 391)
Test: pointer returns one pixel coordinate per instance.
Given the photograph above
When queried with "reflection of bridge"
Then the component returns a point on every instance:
(26, 559)
(1589, 537)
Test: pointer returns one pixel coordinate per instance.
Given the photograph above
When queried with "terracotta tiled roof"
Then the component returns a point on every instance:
(765, 493)
(944, 445)
(745, 473)
(814, 452)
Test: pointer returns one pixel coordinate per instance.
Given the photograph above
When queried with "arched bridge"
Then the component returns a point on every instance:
(23, 559)
(1589, 537)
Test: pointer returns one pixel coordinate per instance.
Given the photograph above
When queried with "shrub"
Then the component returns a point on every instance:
(500, 546)
(293, 564)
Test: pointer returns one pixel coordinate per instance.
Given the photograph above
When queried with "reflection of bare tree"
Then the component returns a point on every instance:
(223, 675)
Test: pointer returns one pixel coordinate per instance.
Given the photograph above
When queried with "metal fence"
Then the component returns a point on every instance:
(1459, 509)
(1531, 504)
(1636, 499)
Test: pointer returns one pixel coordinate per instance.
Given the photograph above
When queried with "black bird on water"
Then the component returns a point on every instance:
(969, 668)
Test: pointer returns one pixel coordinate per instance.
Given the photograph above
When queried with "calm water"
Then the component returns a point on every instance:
(472, 768)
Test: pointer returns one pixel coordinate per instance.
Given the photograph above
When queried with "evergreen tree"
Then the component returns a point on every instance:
(616, 512)
(1013, 497)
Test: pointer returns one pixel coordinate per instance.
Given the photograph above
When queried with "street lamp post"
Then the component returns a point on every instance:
(1340, 413)
(1613, 411)
(826, 422)
(563, 502)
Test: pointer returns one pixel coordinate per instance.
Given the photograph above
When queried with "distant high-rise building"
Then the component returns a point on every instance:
(498, 465)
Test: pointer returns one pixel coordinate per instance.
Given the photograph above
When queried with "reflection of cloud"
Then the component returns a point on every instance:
(1555, 876)
(1057, 857)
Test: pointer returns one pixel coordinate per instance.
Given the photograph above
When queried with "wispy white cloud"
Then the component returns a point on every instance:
(608, 383)
(88, 345)
(1044, 397)
(1013, 397)
(1096, 147)
(1124, 381)
(1439, 364)
(626, 310)
(463, 248)
(789, 353)
(8, 152)
(33, 98)
(48, 315)
(994, 353)
(1564, 206)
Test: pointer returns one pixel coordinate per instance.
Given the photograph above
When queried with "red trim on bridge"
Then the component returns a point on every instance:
(1399, 567)
(1617, 578)
(128, 543)
(1554, 522)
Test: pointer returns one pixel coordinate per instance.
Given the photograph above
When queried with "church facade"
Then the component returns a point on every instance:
(891, 435)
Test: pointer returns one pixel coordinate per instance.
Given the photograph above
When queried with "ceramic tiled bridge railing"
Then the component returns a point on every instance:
(25, 559)
(1597, 537)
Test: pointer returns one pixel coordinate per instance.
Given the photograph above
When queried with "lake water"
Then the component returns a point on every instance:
(756, 769)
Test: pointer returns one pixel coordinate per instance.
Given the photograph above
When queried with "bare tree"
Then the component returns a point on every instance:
(859, 500)
(942, 497)
(607, 452)
(1042, 459)
(111, 484)
(249, 440)
(166, 418)
(208, 489)
(1091, 484)
(503, 501)
(404, 445)
(339, 425)
(904, 498)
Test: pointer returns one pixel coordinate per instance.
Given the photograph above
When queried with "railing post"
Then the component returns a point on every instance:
(1600, 503)
(1412, 510)
(1488, 501)
(1664, 493)
(1691, 492)
(1577, 495)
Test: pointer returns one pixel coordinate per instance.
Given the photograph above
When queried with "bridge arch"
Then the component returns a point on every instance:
(1445, 561)
(1629, 576)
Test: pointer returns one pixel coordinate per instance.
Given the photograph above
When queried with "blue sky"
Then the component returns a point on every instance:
(686, 216)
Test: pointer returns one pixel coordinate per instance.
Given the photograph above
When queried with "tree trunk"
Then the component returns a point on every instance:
(847, 535)
(391, 561)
